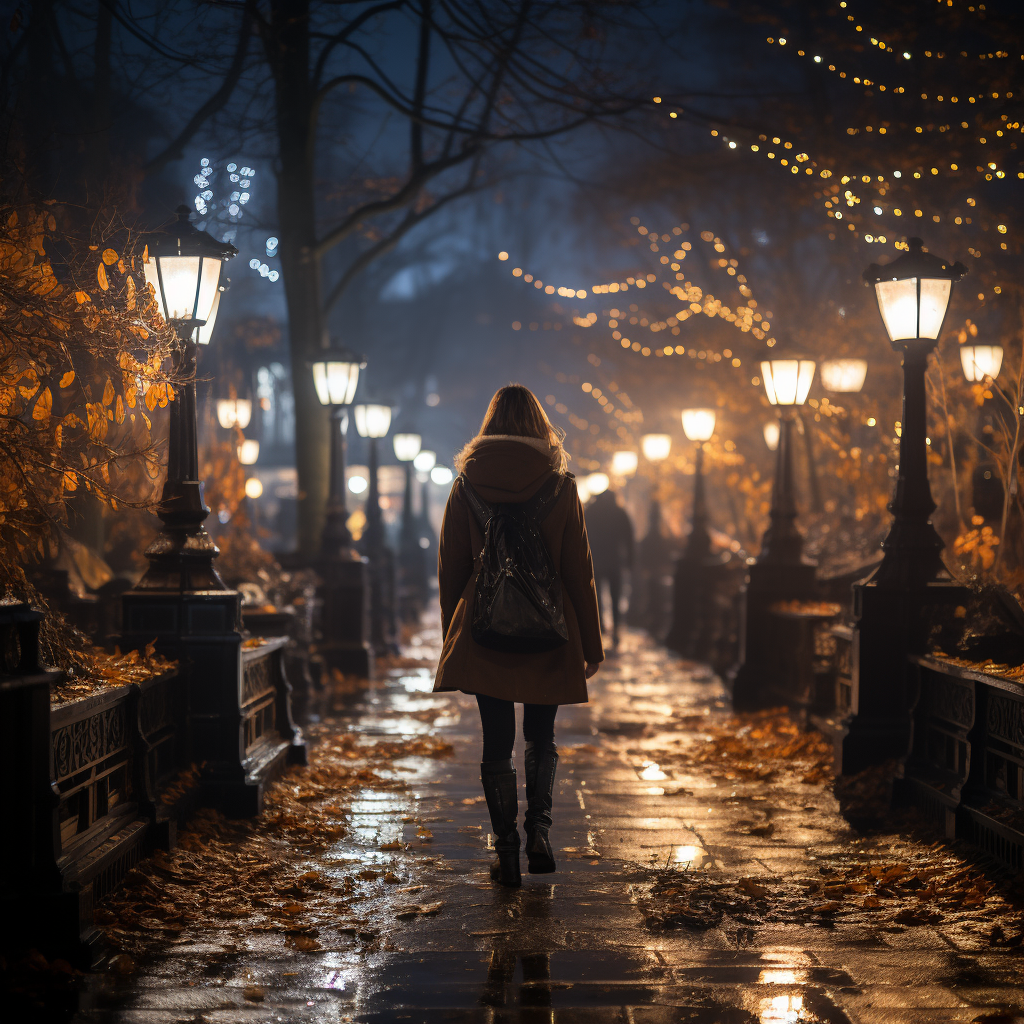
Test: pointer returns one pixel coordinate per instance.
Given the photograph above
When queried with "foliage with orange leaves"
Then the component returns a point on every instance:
(83, 353)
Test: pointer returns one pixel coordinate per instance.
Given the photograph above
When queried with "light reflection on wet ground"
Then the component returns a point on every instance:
(571, 947)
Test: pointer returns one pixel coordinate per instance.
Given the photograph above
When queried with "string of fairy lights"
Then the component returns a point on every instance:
(745, 317)
(839, 199)
(937, 55)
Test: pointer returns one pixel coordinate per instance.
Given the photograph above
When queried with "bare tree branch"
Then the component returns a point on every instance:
(217, 101)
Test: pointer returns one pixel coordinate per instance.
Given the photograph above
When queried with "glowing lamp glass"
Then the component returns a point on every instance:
(898, 304)
(844, 375)
(234, 412)
(655, 446)
(248, 452)
(424, 461)
(205, 332)
(441, 475)
(358, 484)
(373, 420)
(253, 487)
(336, 380)
(981, 362)
(787, 381)
(183, 267)
(698, 424)
(624, 463)
(597, 483)
(185, 286)
(407, 446)
(771, 435)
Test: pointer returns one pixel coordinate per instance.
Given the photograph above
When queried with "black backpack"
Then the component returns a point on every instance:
(518, 601)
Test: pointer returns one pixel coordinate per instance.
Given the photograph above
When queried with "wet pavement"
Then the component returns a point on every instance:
(574, 946)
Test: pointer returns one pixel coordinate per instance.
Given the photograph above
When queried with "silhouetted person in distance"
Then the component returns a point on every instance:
(611, 544)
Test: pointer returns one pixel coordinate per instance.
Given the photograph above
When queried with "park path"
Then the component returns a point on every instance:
(579, 946)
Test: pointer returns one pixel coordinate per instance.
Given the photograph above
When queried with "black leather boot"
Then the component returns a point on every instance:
(501, 792)
(541, 761)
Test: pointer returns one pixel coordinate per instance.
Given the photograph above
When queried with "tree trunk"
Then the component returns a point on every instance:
(288, 51)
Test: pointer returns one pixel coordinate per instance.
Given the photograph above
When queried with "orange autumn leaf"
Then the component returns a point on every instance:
(119, 410)
(152, 397)
(108, 392)
(70, 480)
(82, 297)
(43, 406)
(101, 277)
(67, 379)
(130, 289)
(109, 257)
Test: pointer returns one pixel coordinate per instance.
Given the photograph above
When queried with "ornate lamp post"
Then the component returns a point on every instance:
(425, 463)
(780, 572)
(412, 573)
(690, 590)
(335, 378)
(181, 600)
(373, 420)
(913, 295)
(184, 267)
(655, 449)
(343, 590)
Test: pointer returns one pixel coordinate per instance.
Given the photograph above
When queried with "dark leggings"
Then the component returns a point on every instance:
(498, 718)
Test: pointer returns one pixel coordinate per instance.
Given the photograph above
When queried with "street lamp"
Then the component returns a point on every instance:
(183, 266)
(698, 426)
(249, 452)
(981, 362)
(335, 379)
(373, 420)
(655, 447)
(689, 586)
(344, 588)
(425, 463)
(597, 483)
(771, 435)
(787, 381)
(181, 601)
(624, 463)
(843, 375)
(780, 572)
(913, 295)
(234, 412)
(410, 554)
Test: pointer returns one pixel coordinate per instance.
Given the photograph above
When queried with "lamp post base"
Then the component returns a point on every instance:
(694, 581)
(344, 617)
(767, 582)
(891, 625)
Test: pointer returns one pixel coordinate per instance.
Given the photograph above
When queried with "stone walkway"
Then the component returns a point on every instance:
(573, 947)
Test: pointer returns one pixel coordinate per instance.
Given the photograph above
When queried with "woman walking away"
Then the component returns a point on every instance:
(519, 610)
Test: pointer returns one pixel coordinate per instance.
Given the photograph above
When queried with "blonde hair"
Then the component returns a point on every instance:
(515, 412)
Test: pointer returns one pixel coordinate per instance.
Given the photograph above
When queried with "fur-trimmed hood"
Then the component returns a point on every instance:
(506, 468)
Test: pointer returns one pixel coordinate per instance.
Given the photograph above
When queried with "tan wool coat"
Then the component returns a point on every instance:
(513, 470)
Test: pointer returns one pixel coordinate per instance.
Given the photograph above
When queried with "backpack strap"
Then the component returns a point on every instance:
(538, 507)
(482, 510)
